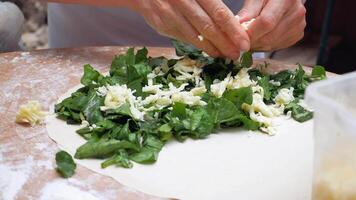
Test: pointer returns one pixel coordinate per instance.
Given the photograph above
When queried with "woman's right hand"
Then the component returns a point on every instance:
(188, 20)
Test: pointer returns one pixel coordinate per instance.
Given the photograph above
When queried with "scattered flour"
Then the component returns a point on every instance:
(14, 175)
(46, 150)
(61, 190)
(23, 56)
(13, 178)
(41, 146)
(47, 164)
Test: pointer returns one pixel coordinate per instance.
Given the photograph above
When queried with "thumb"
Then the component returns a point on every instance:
(251, 9)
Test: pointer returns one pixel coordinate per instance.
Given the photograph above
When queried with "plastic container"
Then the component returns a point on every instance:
(334, 104)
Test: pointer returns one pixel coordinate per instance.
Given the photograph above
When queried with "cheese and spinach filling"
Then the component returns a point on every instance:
(144, 102)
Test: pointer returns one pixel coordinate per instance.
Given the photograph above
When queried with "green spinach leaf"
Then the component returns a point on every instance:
(90, 75)
(318, 72)
(91, 109)
(246, 59)
(121, 159)
(102, 148)
(239, 96)
(183, 49)
(65, 164)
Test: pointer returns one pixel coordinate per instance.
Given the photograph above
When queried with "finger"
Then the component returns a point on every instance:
(173, 23)
(292, 20)
(294, 37)
(291, 41)
(190, 35)
(227, 22)
(291, 30)
(251, 9)
(268, 19)
(279, 39)
(288, 31)
(265, 44)
(206, 27)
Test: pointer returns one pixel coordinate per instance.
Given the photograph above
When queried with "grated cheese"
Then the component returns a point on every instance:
(31, 113)
(117, 95)
(284, 96)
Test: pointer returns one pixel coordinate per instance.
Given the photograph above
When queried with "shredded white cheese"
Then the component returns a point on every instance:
(187, 98)
(219, 87)
(31, 113)
(102, 91)
(189, 70)
(259, 106)
(117, 95)
(241, 79)
(275, 83)
(262, 113)
(197, 91)
(154, 89)
(201, 38)
(84, 124)
(284, 96)
(247, 24)
(166, 97)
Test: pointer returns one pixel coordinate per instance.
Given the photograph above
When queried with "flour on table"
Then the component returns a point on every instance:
(13, 178)
(41, 146)
(61, 190)
(47, 164)
(24, 56)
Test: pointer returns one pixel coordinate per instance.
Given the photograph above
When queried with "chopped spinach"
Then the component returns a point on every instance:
(65, 164)
(239, 96)
(183, 49)
(299, 113)
(246, 60)
(318, 72)
(115, 135)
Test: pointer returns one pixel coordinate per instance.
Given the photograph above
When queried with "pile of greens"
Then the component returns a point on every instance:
(116, 136)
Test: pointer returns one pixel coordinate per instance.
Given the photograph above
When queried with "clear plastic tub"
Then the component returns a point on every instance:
(334, 104)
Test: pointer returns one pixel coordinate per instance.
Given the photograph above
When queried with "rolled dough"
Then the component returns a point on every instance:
(232, 164)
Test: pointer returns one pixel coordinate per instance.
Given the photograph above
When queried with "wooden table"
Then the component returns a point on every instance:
(27, 153)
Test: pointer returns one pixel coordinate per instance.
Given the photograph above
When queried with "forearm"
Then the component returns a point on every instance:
(110, 3)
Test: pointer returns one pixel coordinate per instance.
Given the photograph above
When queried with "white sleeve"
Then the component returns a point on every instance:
(11, 23)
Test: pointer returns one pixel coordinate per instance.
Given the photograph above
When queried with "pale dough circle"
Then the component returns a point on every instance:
(233, 164)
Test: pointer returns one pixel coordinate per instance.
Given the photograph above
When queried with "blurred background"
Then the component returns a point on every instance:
(330, 37)
(35, 28)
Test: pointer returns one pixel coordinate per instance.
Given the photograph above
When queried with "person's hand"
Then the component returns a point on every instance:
(208, 24)
(279, 23)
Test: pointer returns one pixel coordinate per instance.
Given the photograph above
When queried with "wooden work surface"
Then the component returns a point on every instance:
(27, 153)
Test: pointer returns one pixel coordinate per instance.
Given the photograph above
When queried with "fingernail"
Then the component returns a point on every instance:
(245, 45)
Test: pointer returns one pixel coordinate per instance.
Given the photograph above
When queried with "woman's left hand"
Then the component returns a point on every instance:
(279, 23)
